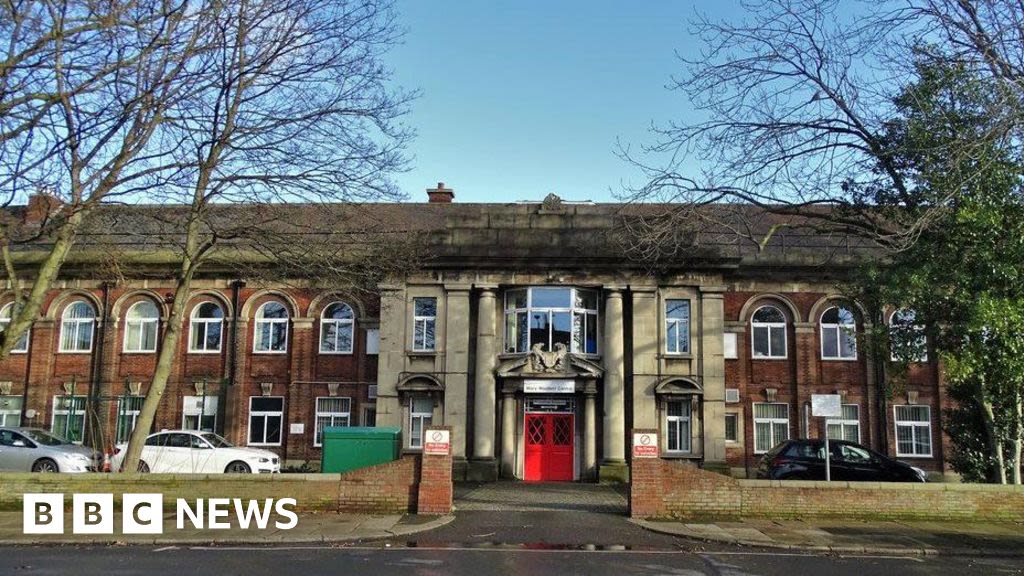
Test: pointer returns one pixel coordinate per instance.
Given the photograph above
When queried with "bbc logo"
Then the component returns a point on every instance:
(93, 514)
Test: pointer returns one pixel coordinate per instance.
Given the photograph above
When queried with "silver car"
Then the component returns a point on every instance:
(36, 450)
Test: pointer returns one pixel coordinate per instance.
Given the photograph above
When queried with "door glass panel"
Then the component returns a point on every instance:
(563, 432)
(535, 431)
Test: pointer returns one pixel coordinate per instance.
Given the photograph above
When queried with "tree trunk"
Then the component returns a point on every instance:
(995, 446)
(168, 352)
(23, 318)
(1018, 436)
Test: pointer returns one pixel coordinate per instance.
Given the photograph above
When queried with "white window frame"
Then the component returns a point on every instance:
(329, 414)
(10, 410)
(62, 346)
(680, 424)
(426, 418)
(679, 324)
(68, 413)
(755, 326)
(257, 334)
(146, 323)
(915, 428)
(773, 441)
(339, 324)
(6, 315)
(425, 321)
(132, 414)
(922, 338)
(736, 418)
(845, 423)
(265, 414)
(204, 324)
(209, 409)
(581, 318)
(851, 329)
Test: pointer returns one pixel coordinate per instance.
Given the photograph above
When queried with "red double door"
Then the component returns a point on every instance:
(549, 447)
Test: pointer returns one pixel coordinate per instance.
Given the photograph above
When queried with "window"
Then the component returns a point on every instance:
(838, 334)
(678, 425)
(913, 431)
(550, 316)
(128, 408)
(768, 332)
(336, 325)
(205, 329)
(6, 314)
(266, 416)
(677, 326)
(69, 417)
(271, 331)
(421, 413)
(729, 350)
(140, 327)
(331, 411)
(847, 427)
(370, 415)
(907, 338)
(10, 410)
(732, 433)
(200, 413)
(771, 425)
(76, 327)
(373, 341)
(424, 323)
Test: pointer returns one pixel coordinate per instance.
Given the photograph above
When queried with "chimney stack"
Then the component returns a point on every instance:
(440, 195)
(41, 206)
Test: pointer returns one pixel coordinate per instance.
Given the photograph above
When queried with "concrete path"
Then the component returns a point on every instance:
(312, 528)
(508, 496)
(854, 537)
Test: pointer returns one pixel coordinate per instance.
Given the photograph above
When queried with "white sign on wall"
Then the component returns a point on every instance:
(549, 386)
(826, 405)
(437, 442)
(645, 445)
(297, 428)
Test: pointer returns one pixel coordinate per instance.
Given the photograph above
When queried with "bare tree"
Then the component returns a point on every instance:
(793, 102)
(294, 107)
(84, 87)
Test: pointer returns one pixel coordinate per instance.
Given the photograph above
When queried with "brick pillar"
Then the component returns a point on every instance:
(646, 489)
(435, 489)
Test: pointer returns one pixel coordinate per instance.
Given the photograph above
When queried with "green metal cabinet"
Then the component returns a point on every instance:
(352, 447)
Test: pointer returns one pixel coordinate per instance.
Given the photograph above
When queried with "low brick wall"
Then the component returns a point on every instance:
(389, 488)
(435, 489)
(670, 489)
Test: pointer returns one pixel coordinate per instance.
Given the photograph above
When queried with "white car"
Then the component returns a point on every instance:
(196, 452)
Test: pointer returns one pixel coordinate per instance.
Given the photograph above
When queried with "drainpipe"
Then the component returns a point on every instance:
(222, 404)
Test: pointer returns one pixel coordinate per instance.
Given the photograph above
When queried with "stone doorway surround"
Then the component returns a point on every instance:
(513, 496)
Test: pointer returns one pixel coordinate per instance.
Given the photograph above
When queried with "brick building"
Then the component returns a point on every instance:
(527, 331)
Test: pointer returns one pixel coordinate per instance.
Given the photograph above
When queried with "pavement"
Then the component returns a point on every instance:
(996, 539)
(327, 527)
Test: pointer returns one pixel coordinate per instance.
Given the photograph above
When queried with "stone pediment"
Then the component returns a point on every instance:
(559, 363)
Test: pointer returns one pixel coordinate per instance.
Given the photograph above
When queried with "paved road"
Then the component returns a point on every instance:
(379, 561)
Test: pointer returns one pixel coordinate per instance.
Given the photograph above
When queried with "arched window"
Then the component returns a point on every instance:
(838, 334)
(336, 327)
(205, 328)
(907, 340)
(271, 330)
(140, 327)
(77, 324)
(6, 313)
(768, 332)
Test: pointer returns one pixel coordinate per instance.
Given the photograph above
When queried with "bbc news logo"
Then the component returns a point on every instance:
(144, 513)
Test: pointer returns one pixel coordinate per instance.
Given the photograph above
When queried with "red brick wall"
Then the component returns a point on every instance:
(435, 490)
(670, 489)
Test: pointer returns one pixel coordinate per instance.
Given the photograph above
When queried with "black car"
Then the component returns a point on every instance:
(805, 460)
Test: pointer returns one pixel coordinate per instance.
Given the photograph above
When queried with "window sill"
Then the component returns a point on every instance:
(269, 352)
(74, 352)
(423, 353)
(837, 359)
(917, 456)
(265, 445)
(673, 356)
(757, 358)
(206, 352)
(327, 353)
(138, 351)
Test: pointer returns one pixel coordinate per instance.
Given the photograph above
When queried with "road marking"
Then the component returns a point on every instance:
(165, 549)
(878, 556)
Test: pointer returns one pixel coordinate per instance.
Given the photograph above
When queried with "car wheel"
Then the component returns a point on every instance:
(143, 467)
(45, 465)
(238, 467)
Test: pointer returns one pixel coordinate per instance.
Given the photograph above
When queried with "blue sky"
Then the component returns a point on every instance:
(524, 98)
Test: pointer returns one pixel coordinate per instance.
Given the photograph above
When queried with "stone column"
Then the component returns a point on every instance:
(613, 465)
(590, 431)
(712, 363)
(484, 467)
(508, 434)
(456, 367)
(391, 359)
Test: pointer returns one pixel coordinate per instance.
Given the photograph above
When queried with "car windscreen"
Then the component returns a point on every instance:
(217, 441)
(44, 438)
